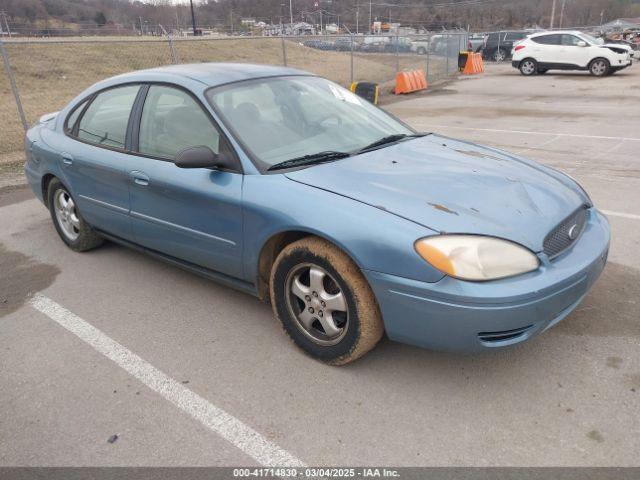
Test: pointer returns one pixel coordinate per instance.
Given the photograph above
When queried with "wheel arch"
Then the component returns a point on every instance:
(277, 242)
(599, 57)
(44, 184)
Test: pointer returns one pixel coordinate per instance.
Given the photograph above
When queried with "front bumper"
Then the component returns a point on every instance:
(473, 316)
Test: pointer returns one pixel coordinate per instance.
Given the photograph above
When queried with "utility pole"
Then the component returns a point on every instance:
(553, 13)
(601, 15)
(193, 18)
(357, 17)
(562, 13)
(370, 16)
(3, 15)
(291, 14)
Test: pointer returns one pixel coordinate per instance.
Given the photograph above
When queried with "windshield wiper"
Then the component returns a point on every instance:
(311, 159)
(388, 140)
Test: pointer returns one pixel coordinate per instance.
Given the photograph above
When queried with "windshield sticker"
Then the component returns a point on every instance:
(345, 95)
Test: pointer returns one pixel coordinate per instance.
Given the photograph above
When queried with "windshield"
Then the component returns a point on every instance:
(282, 118)
(591, 40)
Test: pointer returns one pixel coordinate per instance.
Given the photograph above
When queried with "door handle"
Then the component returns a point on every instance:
(67, 159)
(139, 178)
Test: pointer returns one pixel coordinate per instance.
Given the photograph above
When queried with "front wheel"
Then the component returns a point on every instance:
(528, 67)
(599, 67)
(324, 302)
(69, 224)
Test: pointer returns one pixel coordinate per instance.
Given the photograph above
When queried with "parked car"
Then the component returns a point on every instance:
(343, 44)
(497, 45)
(387, 45)
(438, 45)
(569, 50)
(422, 45)
(319, 44)
(293, 189)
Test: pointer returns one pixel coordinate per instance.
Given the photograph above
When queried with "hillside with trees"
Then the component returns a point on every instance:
(50, 17)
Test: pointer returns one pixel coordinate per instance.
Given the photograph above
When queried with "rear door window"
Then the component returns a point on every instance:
(548, 39)
(512, 36)
(105, 121)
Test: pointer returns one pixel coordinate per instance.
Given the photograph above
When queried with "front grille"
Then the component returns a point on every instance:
(491, 337)
(566, 233)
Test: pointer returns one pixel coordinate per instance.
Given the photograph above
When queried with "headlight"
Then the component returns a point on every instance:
(473, 257)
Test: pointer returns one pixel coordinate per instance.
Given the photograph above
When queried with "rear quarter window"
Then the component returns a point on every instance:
(72, 118)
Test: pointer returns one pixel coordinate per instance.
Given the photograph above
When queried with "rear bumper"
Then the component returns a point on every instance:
(469, 316)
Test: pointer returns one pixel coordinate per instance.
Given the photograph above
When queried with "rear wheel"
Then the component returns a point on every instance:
(70, 225)
(528, 67)
(324, 302)
(499, 55)
(599, 67)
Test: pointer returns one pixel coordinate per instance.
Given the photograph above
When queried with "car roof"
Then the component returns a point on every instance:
(213, 74)
(556, 32)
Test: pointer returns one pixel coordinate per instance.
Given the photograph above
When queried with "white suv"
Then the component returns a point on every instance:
(568, 50)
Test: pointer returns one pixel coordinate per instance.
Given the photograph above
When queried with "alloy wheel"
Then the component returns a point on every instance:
(528, 67)
(318, 304)
(599, 67)
(66, 214)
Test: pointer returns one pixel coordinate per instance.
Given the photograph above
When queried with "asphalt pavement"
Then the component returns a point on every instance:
(114, 358)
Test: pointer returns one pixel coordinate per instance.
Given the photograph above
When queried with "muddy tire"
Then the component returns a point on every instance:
(70, 225)
(324, 302)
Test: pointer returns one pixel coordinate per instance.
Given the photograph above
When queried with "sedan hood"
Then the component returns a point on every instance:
(454, 187)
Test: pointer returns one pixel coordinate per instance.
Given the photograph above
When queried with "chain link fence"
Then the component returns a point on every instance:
(46, 74)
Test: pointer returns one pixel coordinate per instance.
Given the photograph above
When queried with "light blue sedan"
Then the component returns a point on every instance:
(291, 188)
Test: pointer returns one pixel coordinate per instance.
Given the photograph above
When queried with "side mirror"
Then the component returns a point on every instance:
(582, 44)
(199, 157)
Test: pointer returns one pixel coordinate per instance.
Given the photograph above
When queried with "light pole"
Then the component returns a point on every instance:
(193, 18)
(562, 13)
(370, 16)
(291, 13)
(553, 13)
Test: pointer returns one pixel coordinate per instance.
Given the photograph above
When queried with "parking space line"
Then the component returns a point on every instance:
(538, 146)
(227, 426)
(620, 214)
(574, 135)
